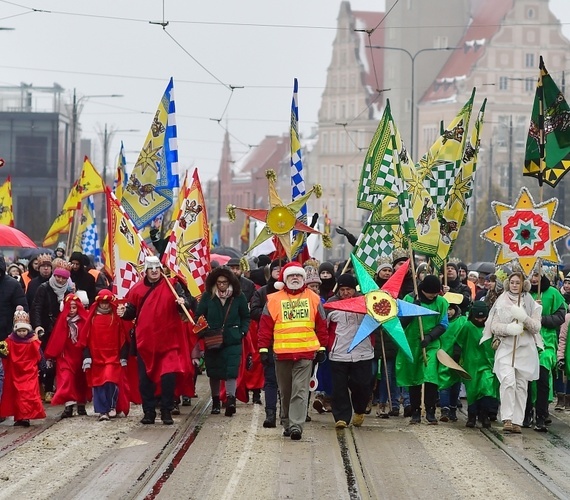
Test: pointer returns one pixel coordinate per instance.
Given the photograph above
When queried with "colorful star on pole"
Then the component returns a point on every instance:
(381, 306)
(526, 232)
(280, 219)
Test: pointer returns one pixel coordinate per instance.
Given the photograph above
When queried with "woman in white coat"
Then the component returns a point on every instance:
(517, 327)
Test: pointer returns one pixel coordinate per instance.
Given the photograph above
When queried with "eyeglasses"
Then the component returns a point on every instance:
(224, 282)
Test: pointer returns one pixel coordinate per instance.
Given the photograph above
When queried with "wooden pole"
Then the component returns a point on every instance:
(188, 315)
(386, 370)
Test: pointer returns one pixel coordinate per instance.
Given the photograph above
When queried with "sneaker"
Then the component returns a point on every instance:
(357, 419)
(394, 412)
(22, 423)
(453, 414)
(103, 417)
(112, 413)
(318, 405)
(287, 432)
(416, 416)
(472, 420)
(175, 409)
(340, 424)
(540, 425)
(81, 410)
(382, 412)
(528, 419)
(148, 418)
(444, 414)
(516, 429)
(408, 411)
(186, 401)
(296, 434)
(48, 397)
(507, 426)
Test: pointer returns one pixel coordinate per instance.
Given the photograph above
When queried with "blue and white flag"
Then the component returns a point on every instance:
(89, 234)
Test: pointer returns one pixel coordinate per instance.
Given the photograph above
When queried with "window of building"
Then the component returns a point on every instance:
(343, 110)
(503, 83)
(31, 155)
(333, 111)
(324, 142)
(529, 84)
(520, 133)
(342, 57)
(408, 105)
(342, 142)
(529, 60)
(530, 13)
(440, 42)
(333, 143)
(352, 108)
(324, 177)
(352, 81)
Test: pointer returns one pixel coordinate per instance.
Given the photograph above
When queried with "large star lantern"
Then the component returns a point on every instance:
(525, 232)
(280, 219)
(381, 306)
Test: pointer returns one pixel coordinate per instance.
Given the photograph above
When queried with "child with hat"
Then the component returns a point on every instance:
(21, 357)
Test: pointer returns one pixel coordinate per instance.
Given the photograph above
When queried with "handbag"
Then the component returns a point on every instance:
(214, 337)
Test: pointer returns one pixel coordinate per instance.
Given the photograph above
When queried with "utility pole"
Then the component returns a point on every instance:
(511, 178)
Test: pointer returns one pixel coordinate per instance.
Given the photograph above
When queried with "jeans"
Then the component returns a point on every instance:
(448, 397)
(389, 382)
(147, 388)
(559, 386)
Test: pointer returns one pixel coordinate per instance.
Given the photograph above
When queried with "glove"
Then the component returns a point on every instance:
(264, 356)
(321, 356)
(249, 362)
(561, 364)
(86, 364)
(518, 313)
(40, 332)
(196, 362)
(123, 362)
(514, 329)
(49, 364)
(341, 230)
(426, 340)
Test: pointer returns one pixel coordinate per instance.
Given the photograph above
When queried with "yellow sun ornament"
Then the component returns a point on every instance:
(526, 232)
(280, 219)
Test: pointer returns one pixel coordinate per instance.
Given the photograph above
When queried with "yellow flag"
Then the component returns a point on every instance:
(89, 182)
(188, 251)
(62, 223)
(6, 210)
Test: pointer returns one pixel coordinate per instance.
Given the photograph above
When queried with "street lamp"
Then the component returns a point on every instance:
(413, 60)
(108, 135)
(75, 112)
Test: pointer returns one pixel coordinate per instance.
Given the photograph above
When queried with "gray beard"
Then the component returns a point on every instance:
(294, 286)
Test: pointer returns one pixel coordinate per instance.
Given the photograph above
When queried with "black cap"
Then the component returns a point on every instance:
(233, 262)
(347, 280)
(479, 309)
(430, 284)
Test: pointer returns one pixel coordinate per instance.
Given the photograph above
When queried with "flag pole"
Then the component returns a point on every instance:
(186, 312)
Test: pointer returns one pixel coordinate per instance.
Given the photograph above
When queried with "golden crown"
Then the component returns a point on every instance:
(44, 258)
(454, 260)
(399, 253)
(60, 263)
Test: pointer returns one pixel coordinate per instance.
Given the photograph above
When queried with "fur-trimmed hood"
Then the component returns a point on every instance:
(226, 273)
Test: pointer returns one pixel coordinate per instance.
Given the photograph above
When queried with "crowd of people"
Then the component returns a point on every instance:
(265, 327)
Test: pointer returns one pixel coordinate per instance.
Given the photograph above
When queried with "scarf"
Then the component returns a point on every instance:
(223, 296)
(73, 329)
(59, 290)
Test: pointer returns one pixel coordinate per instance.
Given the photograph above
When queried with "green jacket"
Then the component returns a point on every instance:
(553, 314)
(448, 377)
(477, 360)
(416, 373)
(224, 363)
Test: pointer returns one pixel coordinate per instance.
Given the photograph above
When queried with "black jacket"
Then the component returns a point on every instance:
(11, 296)
(45, 309)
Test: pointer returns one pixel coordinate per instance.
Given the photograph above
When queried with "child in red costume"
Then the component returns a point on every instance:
(21, 397)
(64, 350)
(105, 354)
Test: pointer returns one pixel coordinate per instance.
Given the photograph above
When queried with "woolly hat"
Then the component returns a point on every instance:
(312, 275)
(462, 265)
(454, 265)
(61, 271)
(78, 256)
(277, 263)
(22, 319)
(384, 262)
(473, 274)
(479, 309)
(151, 261)
(263, 260)
(286, 271)
(326, 266)
(44, 259)
(430, 284)
(347, 280)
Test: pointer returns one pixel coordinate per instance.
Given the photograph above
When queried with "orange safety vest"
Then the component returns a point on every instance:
(26, 279)
(294, 316)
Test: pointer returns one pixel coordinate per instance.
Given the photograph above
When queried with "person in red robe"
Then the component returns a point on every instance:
(21, 357)
(64, 350)
(105, 354)
(162, 347)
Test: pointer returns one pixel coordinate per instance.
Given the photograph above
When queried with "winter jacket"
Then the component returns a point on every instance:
(11, 296)
(45, 309)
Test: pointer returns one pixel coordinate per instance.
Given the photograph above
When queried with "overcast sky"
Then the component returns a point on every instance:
(109, 47)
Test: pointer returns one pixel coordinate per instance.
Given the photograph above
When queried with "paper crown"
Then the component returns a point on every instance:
(454, 260)
(383, 262)
(312, 262)
(399, 254)
(58, 263)
(44, 258)
(22, 319)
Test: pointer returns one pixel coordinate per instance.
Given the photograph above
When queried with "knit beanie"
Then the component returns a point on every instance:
(347, 280)
(430, 284)
(62, 272)
(479, 309)
(276, 263)
(22, 319)
(326, 266)
(454, 265)
(312, 275)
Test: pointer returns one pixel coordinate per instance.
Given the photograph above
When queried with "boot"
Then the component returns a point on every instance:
(540, 425)
(215, 405)
(230, 406)
(444, 414)
(67, 412)
(484, 419)
(256, 396)
(430, 415)
(81, 410)
(452, 414)
(471, 420)
(148, 418)
(270, 419)
(528, 418)
(416, 416)
(560, 402)
(166, 416)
